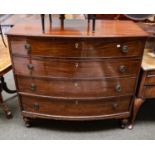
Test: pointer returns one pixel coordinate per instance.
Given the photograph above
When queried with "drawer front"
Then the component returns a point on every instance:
(75, 107)
(151, 73)
(149, 91)
(74, 47)
(150, 80)
(76, 68)
(77, 88)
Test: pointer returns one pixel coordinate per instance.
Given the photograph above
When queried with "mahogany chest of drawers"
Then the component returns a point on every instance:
(71, 73)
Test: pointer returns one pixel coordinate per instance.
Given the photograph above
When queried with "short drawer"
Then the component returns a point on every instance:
(79, 108)
(151, 73)
(149, 91)
(150, 80)
(76, 88)
(76, 68)
(77, 47)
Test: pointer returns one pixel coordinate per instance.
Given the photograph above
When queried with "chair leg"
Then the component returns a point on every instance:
(4, 86)
(89, 16)
(94, 22)
(43, 22)
(50, 19)
(5, 107)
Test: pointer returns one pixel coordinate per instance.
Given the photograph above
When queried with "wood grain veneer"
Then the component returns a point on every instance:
(70, 73)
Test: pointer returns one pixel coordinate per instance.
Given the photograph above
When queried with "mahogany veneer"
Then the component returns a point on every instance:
(76, 68)
(146, 84)
(71, 73)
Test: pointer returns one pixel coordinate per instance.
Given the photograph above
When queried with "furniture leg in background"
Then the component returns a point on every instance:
(4, 87)
(5, 66)
(62, 17)
(136, 106)
(43, 22)
(146, 86)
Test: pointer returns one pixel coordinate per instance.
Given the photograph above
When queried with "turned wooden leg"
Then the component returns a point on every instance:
(94, 22)
(27, 121)
(50, 20)
(137, 104)
(89, 18)
(62, 17)
(4, 87)
(43, 22)
(5, 108)
(124, 123)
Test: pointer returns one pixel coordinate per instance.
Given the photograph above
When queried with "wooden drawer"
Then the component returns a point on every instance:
(149, 85)
(77, 47)
(151, 73)
(77, 88)
(76, 68)
(149, 91)
(150, 80)
(79, 108)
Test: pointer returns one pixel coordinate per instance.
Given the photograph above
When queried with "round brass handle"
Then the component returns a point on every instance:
(30, 66)
(125, 48)
(115, 105)
(118, 88)
(33, 87)
(36, 106)
(76, 45)
(122, 68)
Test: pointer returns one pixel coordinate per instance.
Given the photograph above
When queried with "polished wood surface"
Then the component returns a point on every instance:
(76, 68)
(70, 73)
(76, 88)
(146, 86)
(150, 80)
(5, 62)
(75, 109)
(79, 28)
(77, 47)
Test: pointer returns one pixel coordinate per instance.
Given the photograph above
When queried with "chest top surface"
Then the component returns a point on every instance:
(79, 28)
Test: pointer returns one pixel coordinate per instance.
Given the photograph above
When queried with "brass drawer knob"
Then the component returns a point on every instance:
(36, 106)
(76, 45)
(115, 106)
(118, 88)
(30, 66)
(33, 87)
(28, 47)
(76, 65)
(125, 48)
(122, 68)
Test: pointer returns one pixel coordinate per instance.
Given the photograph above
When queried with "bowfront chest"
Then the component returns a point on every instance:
(71, 73)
